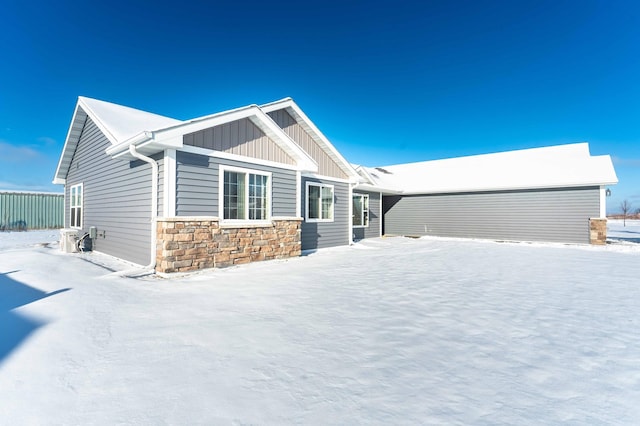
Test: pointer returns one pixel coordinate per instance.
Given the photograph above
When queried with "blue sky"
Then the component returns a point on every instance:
(387, 82)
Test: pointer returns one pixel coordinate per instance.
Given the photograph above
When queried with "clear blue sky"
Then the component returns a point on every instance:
(387, 82)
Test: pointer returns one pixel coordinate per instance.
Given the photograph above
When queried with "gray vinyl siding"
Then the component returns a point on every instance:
(316, 235)
(198, 189)
(556, 215)
(117, 197)
(373, 230)
(240, 137)
(326, 165)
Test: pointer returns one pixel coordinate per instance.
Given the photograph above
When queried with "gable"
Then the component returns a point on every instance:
(326, 165)
(240, 137)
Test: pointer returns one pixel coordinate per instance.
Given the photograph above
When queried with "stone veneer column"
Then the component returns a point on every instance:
(192, 243)
(597, 231)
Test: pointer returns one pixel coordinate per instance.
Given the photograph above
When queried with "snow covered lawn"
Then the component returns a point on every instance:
(388, 331)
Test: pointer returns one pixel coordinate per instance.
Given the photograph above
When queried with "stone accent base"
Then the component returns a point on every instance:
(597, 231)
(189, 244)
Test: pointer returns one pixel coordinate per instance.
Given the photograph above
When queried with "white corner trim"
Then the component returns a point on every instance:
(603, 202)
(169, 206)
(298, 194)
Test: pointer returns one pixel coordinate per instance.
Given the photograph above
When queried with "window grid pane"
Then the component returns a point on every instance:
(234, 195)
(257, 197)
(357, 210)
(314, 202)
(327, 202)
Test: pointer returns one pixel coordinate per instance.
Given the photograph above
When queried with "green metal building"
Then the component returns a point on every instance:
(21, 211)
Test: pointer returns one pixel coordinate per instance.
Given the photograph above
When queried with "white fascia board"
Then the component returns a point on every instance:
(96, 119)
(67, 145)
(322, 177)
(310, 127)
(376, 188)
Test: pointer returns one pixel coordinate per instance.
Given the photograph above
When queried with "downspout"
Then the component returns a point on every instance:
(154, 202)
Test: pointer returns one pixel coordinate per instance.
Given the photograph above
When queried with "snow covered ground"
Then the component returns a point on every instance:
(388, 331)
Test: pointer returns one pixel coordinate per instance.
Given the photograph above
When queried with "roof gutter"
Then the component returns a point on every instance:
(154, 202)
(134, 140)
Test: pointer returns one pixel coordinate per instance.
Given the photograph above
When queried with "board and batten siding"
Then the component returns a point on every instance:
(554, 215)
(240, 137)
(375, 216)
(326, 165)
(198, 185)
(117, 197)
(316, 235)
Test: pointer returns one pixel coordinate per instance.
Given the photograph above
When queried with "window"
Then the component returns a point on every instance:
(319, 202)
(245, 195)
(360, 210)
(75, 220)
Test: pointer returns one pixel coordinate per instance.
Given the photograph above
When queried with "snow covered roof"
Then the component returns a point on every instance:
(120, 123)
(548, 167)
(150, 133)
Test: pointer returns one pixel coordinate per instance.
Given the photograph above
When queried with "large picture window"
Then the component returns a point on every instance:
(319, 202)
(75, 220)
(360, 210)
(246, 195)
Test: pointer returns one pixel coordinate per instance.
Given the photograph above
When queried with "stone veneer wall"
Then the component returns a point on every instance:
(597, 231)
(192, 243)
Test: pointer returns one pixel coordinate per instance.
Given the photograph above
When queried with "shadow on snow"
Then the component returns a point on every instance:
(14, 327)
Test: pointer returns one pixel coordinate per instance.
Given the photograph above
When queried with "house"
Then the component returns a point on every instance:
(263, 182)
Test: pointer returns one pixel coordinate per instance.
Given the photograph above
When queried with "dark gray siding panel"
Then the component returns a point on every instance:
(197, 186)
(117, 197)
(317, 235)
(560, 215)
(375, 216)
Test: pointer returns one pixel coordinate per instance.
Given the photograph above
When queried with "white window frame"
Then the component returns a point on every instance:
(333, 203)
(246, 172)
(365, 208)
(74, 206)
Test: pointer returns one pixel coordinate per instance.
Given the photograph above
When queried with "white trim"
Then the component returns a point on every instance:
(350, 213)
(257, 117)
(239, 222)
(236, 157)
(81, 206)
(322, 177)
(603, 202)
(333, 202)
(298, 194)
(169, 184)
(317, 135)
